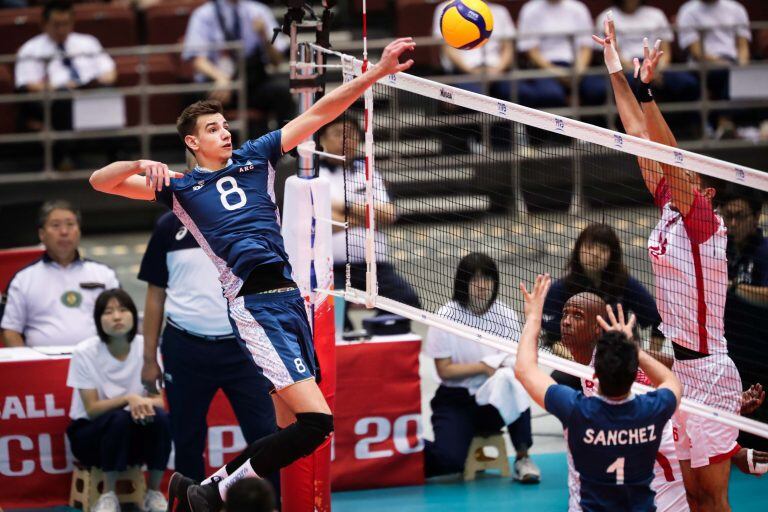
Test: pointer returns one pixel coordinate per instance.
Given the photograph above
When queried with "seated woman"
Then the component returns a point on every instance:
(596, 265)
(464, 366)
(114, 423)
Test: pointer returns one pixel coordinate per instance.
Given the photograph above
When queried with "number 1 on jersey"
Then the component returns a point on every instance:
(618, 468)
(226, 192)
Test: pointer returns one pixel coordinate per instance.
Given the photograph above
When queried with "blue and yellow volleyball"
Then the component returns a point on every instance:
(466, 24)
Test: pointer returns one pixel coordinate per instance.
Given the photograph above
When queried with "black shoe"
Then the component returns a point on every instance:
(204, 498)
(177, 493)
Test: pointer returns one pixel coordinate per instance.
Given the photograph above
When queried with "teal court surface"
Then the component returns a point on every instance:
(491, 492)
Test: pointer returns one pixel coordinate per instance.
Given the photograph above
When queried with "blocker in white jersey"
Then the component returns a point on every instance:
(691, 273)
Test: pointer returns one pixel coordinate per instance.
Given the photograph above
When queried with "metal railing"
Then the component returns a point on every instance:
(143, 131)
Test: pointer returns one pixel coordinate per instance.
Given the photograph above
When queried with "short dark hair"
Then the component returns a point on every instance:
(56, 5)
(342, 119)
(470, 266)
(616, 361)
(250, 495)
(56, 204)
(124, 300)
(187, 120)
(752, 197)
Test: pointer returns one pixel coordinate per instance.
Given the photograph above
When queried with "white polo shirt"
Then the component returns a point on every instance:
(488, 54)
(85, 52)
(730, 19)
(355, 193)
(94, 367)
(500, 320)
(53, 305)
(646, 21)
(555, 22)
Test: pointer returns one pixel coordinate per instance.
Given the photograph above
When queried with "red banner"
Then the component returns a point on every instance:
(378, 440)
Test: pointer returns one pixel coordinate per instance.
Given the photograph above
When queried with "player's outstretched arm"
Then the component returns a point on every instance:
(629, 110)
(527, 370)
(659, 375)
(121, 178)
(336, 102)
(680, 185)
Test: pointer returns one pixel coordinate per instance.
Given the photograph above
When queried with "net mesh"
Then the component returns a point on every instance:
(450, 180)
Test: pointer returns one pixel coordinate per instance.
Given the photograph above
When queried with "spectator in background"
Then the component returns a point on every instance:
(493, 58)
(12, 4)
(554, 35)
(200, 353)
(726, 37)
(746, 305)
(250, 495)
(465, 366)
(223, 21)
(635, 21)
(351, 242)
(50, 302)
(60, 59)
(115, 424)
(596, 266)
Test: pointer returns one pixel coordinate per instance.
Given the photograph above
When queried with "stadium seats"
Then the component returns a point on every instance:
(7, 110)
(17, 27)
(161, 69)
(113, 25)
(166, 22)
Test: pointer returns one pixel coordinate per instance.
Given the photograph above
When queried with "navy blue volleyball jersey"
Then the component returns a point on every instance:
(232, 212)
(613, 445)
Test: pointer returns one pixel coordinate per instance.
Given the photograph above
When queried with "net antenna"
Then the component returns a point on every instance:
(534, 242)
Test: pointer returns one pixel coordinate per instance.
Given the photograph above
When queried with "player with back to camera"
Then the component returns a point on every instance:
(227, 203)
(687, 249)
(612, 437)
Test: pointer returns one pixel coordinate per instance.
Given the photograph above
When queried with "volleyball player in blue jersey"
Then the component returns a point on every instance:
(613, 437)
(227, 203)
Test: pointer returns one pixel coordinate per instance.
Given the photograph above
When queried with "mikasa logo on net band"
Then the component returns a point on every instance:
(618, 141)
(559, 125)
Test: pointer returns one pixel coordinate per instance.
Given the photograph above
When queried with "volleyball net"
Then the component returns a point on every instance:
(452, 172)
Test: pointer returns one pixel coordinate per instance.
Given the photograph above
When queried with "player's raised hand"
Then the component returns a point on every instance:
(610, 46)
(616, 322)
(157, 174)
(534, 300)
(752, 398)
(651, 57)
(390, 58)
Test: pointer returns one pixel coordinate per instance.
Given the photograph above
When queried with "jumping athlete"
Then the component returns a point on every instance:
(227, 203)
(687, 251)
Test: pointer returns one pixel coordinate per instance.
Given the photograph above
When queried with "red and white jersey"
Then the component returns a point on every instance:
(668, 479)
(691, 273)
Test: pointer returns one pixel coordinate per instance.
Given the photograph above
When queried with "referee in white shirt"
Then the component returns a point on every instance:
(200, 353)
(50, 301)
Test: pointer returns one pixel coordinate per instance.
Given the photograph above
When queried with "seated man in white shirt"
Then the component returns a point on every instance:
(50, 301)
(493, 58)
(555, 35)
(726, 37)
(464, 367)
(351, 243)
(634, 21)
(224, 21)
(60, 59)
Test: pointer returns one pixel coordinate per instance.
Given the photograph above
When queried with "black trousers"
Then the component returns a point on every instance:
(195, 369)
(113, 441)
(456, 419)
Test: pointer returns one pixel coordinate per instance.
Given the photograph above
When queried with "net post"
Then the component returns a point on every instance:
(371, 285)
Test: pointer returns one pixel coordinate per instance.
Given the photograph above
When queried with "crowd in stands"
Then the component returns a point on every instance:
(549, 35)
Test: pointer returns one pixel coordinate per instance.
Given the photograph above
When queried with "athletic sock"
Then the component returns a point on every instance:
(245, 471)
(220, 474)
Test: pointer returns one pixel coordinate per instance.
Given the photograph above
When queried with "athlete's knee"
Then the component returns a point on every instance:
(315, 427)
